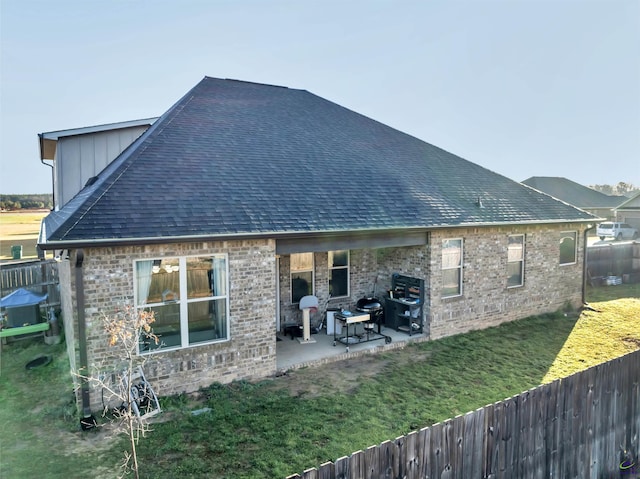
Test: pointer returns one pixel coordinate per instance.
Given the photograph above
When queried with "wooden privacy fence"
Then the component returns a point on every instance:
(613, 259)
(36, 276)
(570, 428)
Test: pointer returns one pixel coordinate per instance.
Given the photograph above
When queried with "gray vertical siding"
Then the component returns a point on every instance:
(81, 157)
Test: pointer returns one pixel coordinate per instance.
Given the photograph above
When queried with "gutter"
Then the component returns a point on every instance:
(132, 241)
(82, 335)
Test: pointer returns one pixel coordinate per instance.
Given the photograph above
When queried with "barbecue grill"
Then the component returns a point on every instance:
(375, 310)
(369, 312)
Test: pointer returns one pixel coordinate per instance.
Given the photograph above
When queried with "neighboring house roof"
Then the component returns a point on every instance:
(234, 158)
(632, 203)
(572, 192)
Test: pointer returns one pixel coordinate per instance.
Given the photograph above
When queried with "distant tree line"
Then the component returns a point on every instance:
(621, 189)
(26, 202)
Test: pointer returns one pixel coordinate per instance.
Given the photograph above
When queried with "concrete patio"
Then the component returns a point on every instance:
(291, 354)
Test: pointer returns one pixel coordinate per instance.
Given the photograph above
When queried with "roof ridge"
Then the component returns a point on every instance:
(249, 82)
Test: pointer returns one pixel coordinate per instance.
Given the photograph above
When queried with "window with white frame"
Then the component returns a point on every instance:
(188, 296)
(515, 261)
(451, 267)
(301, 275)
(339, 273)
(568, 247)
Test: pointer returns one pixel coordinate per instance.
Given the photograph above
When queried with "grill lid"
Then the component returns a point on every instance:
(368, 304)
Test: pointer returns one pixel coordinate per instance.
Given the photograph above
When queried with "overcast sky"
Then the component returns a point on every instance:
(523, 88)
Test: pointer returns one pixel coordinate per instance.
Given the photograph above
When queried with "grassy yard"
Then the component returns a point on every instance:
(20, 228)
(282, 426)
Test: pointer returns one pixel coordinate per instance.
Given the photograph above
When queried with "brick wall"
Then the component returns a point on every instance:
(486, 301)
(249, 354)
(251, 351)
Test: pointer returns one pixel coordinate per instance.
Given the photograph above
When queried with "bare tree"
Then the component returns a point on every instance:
(625, 189)
(605, 189)
(124, 391)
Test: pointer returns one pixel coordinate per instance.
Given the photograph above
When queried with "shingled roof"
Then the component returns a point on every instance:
(573, 193)
(234, 158)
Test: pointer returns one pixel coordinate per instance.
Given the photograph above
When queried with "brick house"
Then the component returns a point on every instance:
(242, 197)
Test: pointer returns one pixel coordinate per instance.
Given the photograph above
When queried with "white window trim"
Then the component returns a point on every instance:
(460, 267)
(184, 309)
(524, 249)
(575, 247)
(348, 268)
(313, 275)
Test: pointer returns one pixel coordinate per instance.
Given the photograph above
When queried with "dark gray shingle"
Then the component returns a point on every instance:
(234, 157)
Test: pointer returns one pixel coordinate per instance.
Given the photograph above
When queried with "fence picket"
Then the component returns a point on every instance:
(608, 420)
(411, 456)
(387, 454)
(448, 449)
(633, 412)
(437, 463)
(566, 415)
(491, 450)
(342, 467)
(468, 440)
(578, 430)
(597, 417)
(423, 447)
(523, 454)
(372, 462)
(357, 466)
(327, 471)
(538, 428)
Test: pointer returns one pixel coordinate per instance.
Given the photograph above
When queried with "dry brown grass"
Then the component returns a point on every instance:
(609, 330)
(20, 228)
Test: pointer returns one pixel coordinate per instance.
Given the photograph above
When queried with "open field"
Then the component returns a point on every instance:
(20, 228)
(282, 426)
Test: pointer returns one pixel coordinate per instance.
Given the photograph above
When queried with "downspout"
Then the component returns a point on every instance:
(41, 255)
(53, 187)
(584, 265)
(82, 335)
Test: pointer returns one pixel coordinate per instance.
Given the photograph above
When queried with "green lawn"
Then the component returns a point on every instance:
(37, 412)
(282, 426)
